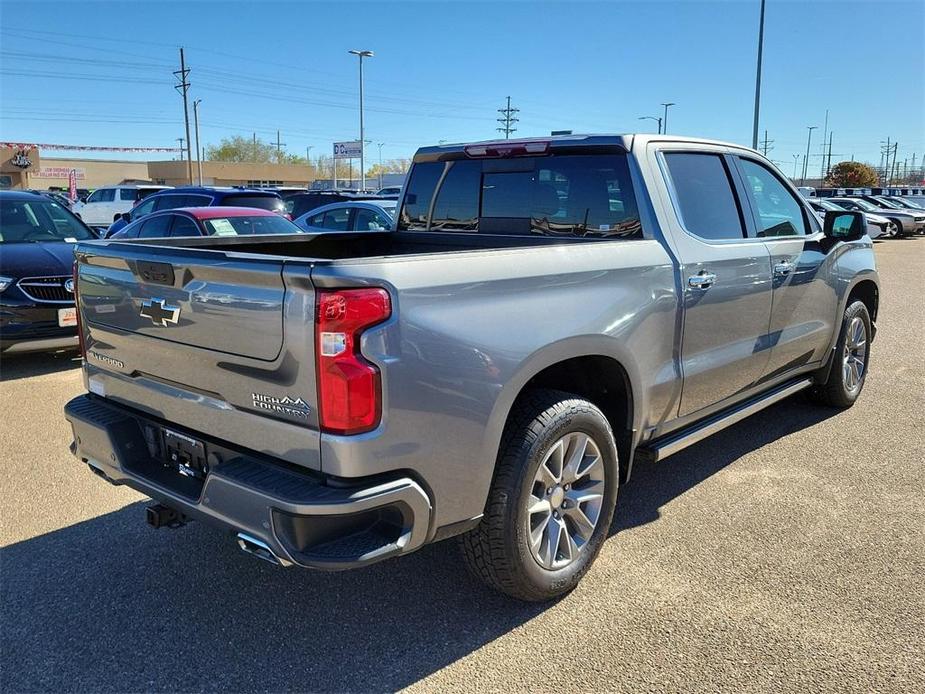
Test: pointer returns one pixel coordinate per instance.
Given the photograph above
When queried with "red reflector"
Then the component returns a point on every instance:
(349, 388)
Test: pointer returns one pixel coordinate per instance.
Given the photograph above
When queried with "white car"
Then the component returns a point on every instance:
(876, 225)
(365, 215)
(105, 204)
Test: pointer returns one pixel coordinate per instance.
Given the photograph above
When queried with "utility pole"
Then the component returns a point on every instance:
(665, 121)
(279, 149)
(828, 165)
(380, 162)
(183, 88)
(757, 80)
(766, 144)
(255, 147)
(198, 151)
(181, 141)
(809, 139)
(507, 120)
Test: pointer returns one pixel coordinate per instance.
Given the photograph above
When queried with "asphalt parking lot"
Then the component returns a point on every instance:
(786, 553)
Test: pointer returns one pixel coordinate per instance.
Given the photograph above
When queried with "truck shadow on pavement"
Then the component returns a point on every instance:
(14, 367)
(112, 605)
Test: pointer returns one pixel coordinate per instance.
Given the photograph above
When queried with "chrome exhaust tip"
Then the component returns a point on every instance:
(258, 548)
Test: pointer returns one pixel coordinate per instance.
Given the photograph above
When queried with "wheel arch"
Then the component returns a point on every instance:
(593, 368)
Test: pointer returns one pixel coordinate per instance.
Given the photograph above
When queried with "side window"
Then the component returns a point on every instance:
(128, 194)
(418, 194)
(777, 210)
(94, 196)
(316, 221)
(156, 227)
(369, 220)
(336, 219)
(705, 198)
(183, 226)
(457, 204)
(103, 195)
(144, 208)
(168, 202)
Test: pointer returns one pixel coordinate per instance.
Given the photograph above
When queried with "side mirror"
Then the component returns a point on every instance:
(844, 226)
(126, 216)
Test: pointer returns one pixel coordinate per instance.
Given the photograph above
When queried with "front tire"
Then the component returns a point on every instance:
(552, 500)
(852, 357)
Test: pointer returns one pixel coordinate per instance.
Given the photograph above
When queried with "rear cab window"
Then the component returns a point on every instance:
(263, 202)
(573, 195)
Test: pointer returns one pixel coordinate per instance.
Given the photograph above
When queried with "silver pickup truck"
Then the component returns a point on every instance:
(543, 313)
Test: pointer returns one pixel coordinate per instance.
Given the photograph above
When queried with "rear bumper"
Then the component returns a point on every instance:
(43, 344)
(304, 519)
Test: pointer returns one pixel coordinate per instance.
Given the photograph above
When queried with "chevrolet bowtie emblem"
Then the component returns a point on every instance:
(160, 312)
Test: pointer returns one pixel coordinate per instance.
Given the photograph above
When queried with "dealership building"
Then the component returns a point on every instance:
(26, 167)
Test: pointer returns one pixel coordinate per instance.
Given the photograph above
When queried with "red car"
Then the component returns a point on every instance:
(208, 221)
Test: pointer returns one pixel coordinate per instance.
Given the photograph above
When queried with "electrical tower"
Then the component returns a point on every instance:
(183, 88)
(766, 144)
(508, 119)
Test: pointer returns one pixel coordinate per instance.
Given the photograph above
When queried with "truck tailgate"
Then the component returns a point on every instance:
(206, 299)
(196, 338)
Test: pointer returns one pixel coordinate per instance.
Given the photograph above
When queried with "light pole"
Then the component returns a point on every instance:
(665, 122)
(758, 77)
(796, 159)
(809, 138)
(198, 151)
(380, 162)
(657, 120)
(361, 55)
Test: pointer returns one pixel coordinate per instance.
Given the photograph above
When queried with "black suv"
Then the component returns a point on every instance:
(37, 236)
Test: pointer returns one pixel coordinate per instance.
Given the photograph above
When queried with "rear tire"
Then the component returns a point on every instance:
(852, 357)
(552, 500)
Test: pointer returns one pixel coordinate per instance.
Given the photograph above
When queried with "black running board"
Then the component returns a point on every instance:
(677, 441)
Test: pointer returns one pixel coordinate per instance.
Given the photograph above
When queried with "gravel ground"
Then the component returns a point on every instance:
(786, 553)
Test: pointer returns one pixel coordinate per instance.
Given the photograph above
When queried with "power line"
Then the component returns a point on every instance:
(507, 119)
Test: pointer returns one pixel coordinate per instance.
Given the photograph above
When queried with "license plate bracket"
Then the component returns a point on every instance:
(186, 455)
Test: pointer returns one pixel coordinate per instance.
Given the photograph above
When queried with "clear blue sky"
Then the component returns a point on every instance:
(100, 73)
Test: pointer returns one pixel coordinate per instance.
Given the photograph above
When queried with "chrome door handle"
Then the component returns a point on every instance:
(783, 269)
(701, 280)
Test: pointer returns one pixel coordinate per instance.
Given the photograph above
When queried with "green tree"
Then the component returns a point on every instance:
(245, 149)
(851, 174)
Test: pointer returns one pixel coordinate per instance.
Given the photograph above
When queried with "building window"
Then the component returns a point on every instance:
(264, 184)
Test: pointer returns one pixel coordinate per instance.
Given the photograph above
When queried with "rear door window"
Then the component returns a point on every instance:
(103, 195)
(183, 226)
(128, 194)
(564, 195)
(369, 220)
(704, 195)
(337, 220)
(156, 227)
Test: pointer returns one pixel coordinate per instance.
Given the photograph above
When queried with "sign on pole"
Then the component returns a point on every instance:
(348, 150)
(72, 185)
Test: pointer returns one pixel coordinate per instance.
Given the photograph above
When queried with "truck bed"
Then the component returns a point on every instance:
(352, 246)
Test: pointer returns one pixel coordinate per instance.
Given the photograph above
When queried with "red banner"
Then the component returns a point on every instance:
(72, 185)
(86, 148)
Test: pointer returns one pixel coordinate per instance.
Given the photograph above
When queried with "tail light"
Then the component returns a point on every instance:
(349, 387)
(80, 327)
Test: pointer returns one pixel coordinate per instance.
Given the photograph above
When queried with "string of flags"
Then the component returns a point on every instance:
(85, 148)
